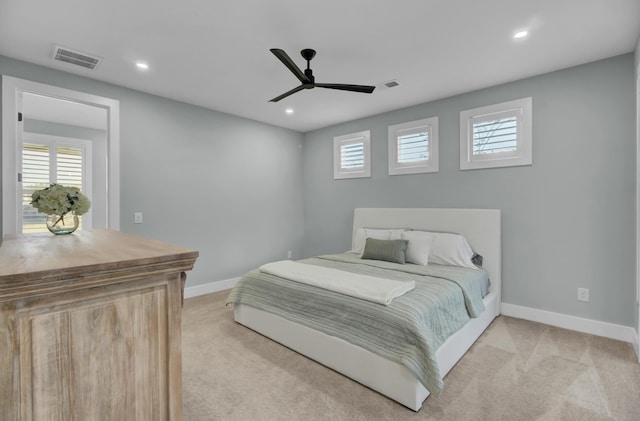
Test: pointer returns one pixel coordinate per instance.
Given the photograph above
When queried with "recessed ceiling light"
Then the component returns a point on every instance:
(289, 111)
(520, 34)
(142, 66)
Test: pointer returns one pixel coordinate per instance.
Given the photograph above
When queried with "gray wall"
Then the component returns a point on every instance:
(568, 220)
(226, 186)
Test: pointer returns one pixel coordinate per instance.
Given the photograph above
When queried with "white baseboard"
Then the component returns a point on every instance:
(636, 344)
(594, 327)
(210, 288)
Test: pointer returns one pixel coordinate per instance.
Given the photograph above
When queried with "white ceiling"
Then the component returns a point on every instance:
(216, 53)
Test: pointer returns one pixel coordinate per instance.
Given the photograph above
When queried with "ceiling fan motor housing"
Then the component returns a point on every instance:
(309, 73)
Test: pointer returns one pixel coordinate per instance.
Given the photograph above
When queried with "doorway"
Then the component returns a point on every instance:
(39, 107)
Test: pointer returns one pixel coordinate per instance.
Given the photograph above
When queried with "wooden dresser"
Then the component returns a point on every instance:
(90, 327)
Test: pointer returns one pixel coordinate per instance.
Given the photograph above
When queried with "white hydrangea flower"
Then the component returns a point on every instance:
(59, 200)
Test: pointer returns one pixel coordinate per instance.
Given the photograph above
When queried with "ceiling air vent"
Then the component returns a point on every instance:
(391, 84)
(75, 57)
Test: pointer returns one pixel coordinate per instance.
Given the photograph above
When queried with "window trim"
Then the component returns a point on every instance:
(519, 108)
(426, 166)
(340, 172)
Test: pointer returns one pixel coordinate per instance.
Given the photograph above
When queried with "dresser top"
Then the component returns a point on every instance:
(33, 256)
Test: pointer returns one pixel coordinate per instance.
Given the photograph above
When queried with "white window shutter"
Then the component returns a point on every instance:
(35, 176)
(498, 135)
(495, 136)
(352, 155)
(413, 147)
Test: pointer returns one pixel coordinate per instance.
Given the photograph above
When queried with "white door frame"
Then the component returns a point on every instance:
(12, 90)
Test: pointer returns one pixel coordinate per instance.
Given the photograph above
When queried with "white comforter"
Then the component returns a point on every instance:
(370, 288)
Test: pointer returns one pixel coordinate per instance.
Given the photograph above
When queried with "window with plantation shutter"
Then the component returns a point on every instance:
(413, 147)
(352, 155)
(47, 160)
(35, 176)
(498, 135)
(69, 166)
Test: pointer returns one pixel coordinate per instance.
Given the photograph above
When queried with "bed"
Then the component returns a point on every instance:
(482, 229)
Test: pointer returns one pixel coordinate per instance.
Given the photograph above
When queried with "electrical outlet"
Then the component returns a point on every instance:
(583, 294)
(137, 218)
(289, 254)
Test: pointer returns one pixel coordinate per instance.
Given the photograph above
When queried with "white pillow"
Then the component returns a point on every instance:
(418, 246)
(452, 250)
(379, 234)
(396, 234)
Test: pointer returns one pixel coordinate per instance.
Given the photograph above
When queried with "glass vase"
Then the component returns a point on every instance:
(63, 224)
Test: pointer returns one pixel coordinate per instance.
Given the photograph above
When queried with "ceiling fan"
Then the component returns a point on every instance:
(306, 77)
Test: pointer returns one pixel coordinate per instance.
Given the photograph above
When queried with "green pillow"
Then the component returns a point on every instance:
(388, 250)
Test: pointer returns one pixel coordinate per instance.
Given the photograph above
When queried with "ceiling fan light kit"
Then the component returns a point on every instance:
(307, 79)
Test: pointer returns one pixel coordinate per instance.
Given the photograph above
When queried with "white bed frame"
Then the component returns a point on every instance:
(482, 229)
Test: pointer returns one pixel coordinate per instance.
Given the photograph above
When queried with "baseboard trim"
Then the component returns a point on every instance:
(210, 288)
(594, 327)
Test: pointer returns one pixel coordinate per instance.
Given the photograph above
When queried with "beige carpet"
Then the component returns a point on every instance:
(518, 370)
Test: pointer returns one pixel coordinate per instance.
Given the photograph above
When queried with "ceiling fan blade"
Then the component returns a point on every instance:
(344, 87)
(286, 60)
(286, 94)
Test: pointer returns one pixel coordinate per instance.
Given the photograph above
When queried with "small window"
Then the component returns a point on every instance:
(413, 147)
(352, 155)
(496, 135)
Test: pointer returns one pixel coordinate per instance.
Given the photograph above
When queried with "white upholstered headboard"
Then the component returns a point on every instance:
(481, 227)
